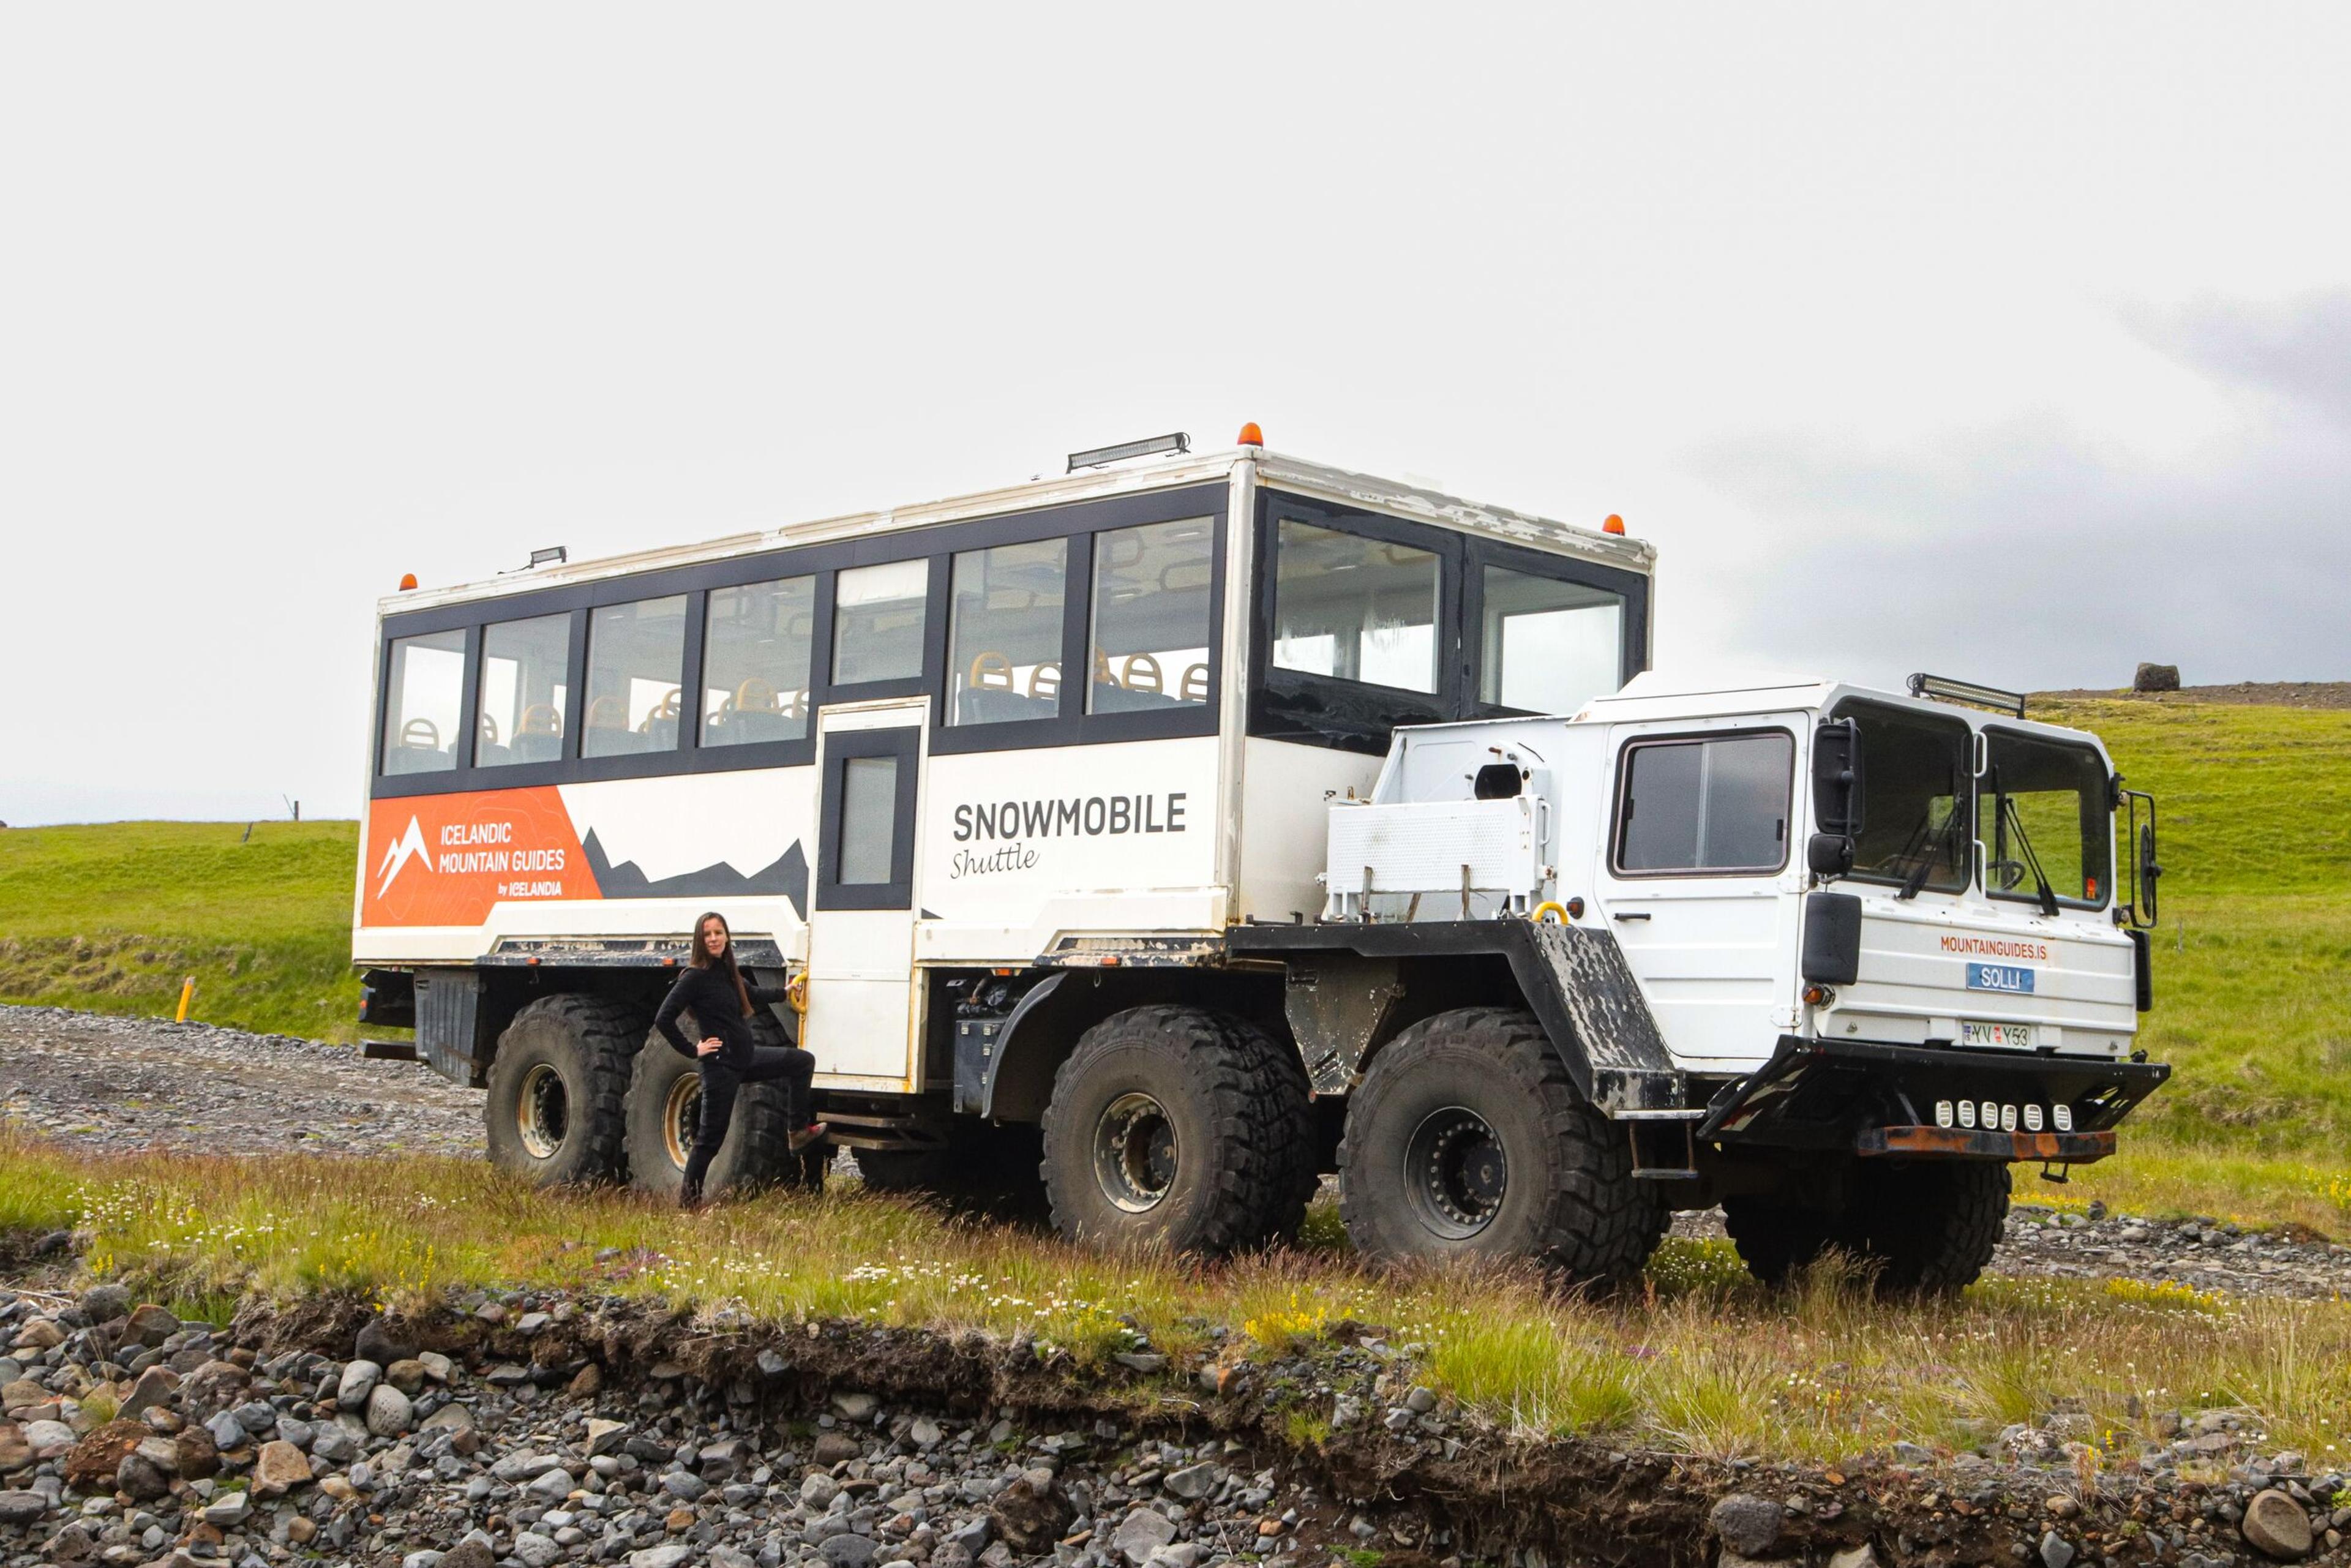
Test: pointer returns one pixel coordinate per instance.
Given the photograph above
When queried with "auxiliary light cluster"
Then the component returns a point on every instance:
(1993, 1116)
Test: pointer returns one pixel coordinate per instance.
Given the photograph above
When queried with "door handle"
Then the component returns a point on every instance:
(1631, 914)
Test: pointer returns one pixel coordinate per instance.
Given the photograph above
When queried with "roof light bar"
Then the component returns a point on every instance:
(553, 555)
(1944, 689)
(1100, 455)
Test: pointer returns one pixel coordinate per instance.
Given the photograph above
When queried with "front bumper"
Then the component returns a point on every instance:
(1873, 1099)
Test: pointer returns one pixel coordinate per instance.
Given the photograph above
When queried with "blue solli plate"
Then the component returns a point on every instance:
(2005, 978)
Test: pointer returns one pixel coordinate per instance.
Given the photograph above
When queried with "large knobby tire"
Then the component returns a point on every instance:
(984, 1169)
(557, 1087)
(1931, 1226)
(1468, 1139)
(664, 1109)
(1777, 1239)
(1178, 1127)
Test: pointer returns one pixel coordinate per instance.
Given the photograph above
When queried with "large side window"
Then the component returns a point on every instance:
(1353, 608)
(1004, 638)
(1547, 647)
(2043, 813)
(754, 662)
(421, 703)
(525, 665)
(636, 660)
(877, 621)
(1916, 768)
(1150, 623)
(1710, 804)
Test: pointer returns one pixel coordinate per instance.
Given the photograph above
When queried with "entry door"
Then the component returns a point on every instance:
(1699, 883)
(861, 992)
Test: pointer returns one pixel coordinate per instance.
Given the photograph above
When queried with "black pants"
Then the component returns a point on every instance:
(722, 1081)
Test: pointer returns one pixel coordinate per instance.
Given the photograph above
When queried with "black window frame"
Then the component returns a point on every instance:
(1076, 521)
(1983, 860)
(903, 742)
(1308, 709)
(1687, 738)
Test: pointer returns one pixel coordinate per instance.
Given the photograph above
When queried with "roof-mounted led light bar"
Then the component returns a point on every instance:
(1944, 689)
(1098, 456)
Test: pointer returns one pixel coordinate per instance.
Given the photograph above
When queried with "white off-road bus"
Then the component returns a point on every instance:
(1141, 845)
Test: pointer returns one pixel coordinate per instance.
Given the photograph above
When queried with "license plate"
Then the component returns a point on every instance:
(2008, 1036)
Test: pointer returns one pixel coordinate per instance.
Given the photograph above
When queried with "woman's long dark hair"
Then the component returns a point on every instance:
(725, 962)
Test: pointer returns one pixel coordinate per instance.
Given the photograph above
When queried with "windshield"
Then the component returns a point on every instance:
(1915, 768)
(2043, 818)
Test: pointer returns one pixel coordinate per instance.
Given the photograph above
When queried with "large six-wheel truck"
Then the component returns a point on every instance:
(1139, 846)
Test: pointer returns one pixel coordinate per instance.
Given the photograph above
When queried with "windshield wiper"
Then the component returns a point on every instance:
(1929, 853)
(2024, 842)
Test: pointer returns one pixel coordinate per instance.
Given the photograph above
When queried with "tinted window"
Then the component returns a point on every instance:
(1150, 625)
(1547, 647)
(2044, 804)
(754, 662)
(1353, 608)
(523, 667)
(1004, 632)
(1915, 769)
(1706, 805)
(877, 621)
(636, 657)
(420, 704)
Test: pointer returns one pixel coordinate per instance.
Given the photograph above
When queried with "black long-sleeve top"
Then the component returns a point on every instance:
(716, 1008)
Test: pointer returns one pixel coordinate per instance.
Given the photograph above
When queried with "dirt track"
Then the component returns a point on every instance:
(125, 1084)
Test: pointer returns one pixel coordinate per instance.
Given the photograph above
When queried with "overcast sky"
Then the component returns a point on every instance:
(2009, 342)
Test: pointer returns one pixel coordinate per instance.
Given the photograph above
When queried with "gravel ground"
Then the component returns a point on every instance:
(127, 1083)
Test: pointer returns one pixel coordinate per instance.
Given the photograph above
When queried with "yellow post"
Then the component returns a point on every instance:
(187, 995)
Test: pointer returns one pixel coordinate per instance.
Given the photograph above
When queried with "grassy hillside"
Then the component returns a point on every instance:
(112, 916)
(2253, 973)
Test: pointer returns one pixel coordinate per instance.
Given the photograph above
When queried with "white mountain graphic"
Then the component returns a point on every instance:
(409, 846)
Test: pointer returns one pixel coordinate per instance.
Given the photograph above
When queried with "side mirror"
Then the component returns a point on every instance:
(2145, 872)
(1836, 798)
(1836, 778)
(2150, 873)
(1829, 855)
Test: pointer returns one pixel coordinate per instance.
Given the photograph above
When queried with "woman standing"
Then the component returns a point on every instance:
(725, 1057)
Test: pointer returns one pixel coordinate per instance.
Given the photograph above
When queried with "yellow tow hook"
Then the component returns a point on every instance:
(1552, 906)
(796, 993)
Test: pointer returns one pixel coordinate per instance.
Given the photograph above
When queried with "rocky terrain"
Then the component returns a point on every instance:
(527, 1431)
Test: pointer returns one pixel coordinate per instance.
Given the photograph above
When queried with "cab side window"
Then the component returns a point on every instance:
(1711, 804)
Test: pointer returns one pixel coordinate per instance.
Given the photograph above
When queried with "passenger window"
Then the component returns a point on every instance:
(1150, 623)
(524, 669)
(1706, 805)
(1004, 633)
(420, 704)
(877, 621)
(1353, 608)
(1547, 646)
(636, 659)
(754, 662)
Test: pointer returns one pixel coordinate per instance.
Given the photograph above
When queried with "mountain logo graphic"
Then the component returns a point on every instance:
(409, 846)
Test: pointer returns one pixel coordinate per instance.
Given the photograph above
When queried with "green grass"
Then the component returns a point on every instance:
(2251, 1004)
(112, 916)
(1702, 1360)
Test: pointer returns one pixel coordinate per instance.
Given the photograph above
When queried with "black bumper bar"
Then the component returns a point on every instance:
(1850, 1094)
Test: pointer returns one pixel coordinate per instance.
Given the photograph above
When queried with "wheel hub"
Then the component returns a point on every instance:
(542, 1112)
(682, 1118)
(1455, 1172)
(1135, 1153)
